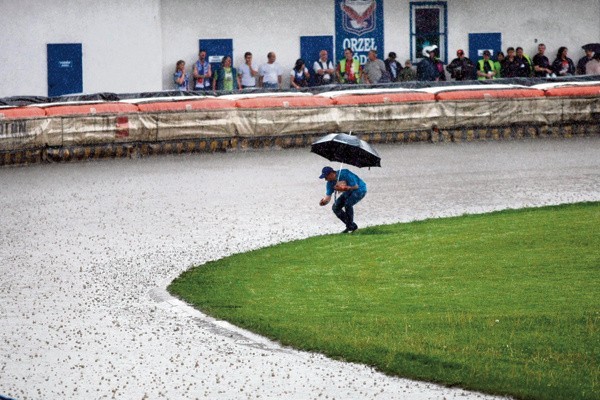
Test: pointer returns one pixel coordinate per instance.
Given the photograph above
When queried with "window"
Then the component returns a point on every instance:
(428, 26)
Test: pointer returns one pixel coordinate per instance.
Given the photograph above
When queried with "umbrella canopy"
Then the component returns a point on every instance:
(595, 47)
(347, 149)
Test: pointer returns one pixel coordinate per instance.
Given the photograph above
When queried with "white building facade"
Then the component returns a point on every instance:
(133, 45)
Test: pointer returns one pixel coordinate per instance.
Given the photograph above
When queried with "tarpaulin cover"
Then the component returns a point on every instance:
(244, 115)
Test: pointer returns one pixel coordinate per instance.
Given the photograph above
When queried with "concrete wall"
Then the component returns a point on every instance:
(253, 26)
(120, 41)
(555, 23)
(133, 45)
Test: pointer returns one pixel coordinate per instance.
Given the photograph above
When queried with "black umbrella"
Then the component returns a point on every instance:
(595, 47)
(346, 149)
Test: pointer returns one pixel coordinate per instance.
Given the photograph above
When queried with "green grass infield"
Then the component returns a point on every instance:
(503, 303)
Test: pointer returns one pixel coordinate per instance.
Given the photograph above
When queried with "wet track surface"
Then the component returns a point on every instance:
(87, 250)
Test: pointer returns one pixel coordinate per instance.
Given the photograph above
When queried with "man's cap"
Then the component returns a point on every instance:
(392, 54)
(459, 52)
(326, 171)
(487, 53)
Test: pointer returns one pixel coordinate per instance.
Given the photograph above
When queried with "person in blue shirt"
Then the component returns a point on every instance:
(353, 188)
(180, 78)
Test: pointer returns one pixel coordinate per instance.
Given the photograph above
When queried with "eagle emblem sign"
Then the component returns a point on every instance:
(359, 16)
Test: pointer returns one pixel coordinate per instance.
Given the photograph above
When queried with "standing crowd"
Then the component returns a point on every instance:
(515, 64)
(349, 71)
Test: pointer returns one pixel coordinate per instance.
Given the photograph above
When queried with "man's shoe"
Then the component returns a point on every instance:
(350, 229)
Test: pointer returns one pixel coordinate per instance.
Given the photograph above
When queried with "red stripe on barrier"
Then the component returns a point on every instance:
(99, 108)
(21, 112)
(382, 98)
(204, 104)
(489, 93)
(574, 91)
(284, 102)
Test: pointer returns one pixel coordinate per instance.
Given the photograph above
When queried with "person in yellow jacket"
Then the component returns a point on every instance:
(485, 67)
(348, 69)
(498, 65)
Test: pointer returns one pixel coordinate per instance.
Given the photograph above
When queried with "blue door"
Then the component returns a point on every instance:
(216, 49)
(64, 69)
(478, 42)
(310, 46)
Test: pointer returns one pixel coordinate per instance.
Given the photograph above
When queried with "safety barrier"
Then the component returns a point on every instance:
(383, 98)
(14, 113)
(99, 129)
(90, 109)
(484, 94)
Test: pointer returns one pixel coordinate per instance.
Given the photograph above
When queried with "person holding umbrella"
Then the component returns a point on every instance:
(353, 188)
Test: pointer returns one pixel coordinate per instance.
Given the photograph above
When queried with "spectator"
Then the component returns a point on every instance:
(593, 66)
(541, 64)
(581, 64)
(201, 72)
(563, 65)
(299, 76)
(226, 76)
(323, 69)
(180, 78)
(270, 73)
(348, 69)
(461, 68)
(374, 70)
(408, 73)
(247, 72)
(498, 65)
(486, 68)
(439, 64)
(426, 69)
(510, 65)
(393, 67)
(524, 69)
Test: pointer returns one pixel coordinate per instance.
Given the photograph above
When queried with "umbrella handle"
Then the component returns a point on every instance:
(338, 178)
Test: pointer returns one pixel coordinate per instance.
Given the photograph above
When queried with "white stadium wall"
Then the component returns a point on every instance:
(258, 27)
(526, 24)
(120, 42)
(132, 46)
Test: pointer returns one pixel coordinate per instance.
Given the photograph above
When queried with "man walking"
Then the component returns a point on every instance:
(353, 188)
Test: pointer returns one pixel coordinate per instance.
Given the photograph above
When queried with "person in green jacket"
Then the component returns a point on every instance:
(498, 64)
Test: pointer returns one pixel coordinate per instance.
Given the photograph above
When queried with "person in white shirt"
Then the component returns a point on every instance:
(247, 72)
(270, 73)
(323, 69)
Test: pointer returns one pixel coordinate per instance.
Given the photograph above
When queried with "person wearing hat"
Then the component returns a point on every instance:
(353, 190)
(581, 64)
(485, 67)
(393, 67)
(461, 68)
(427, 69)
